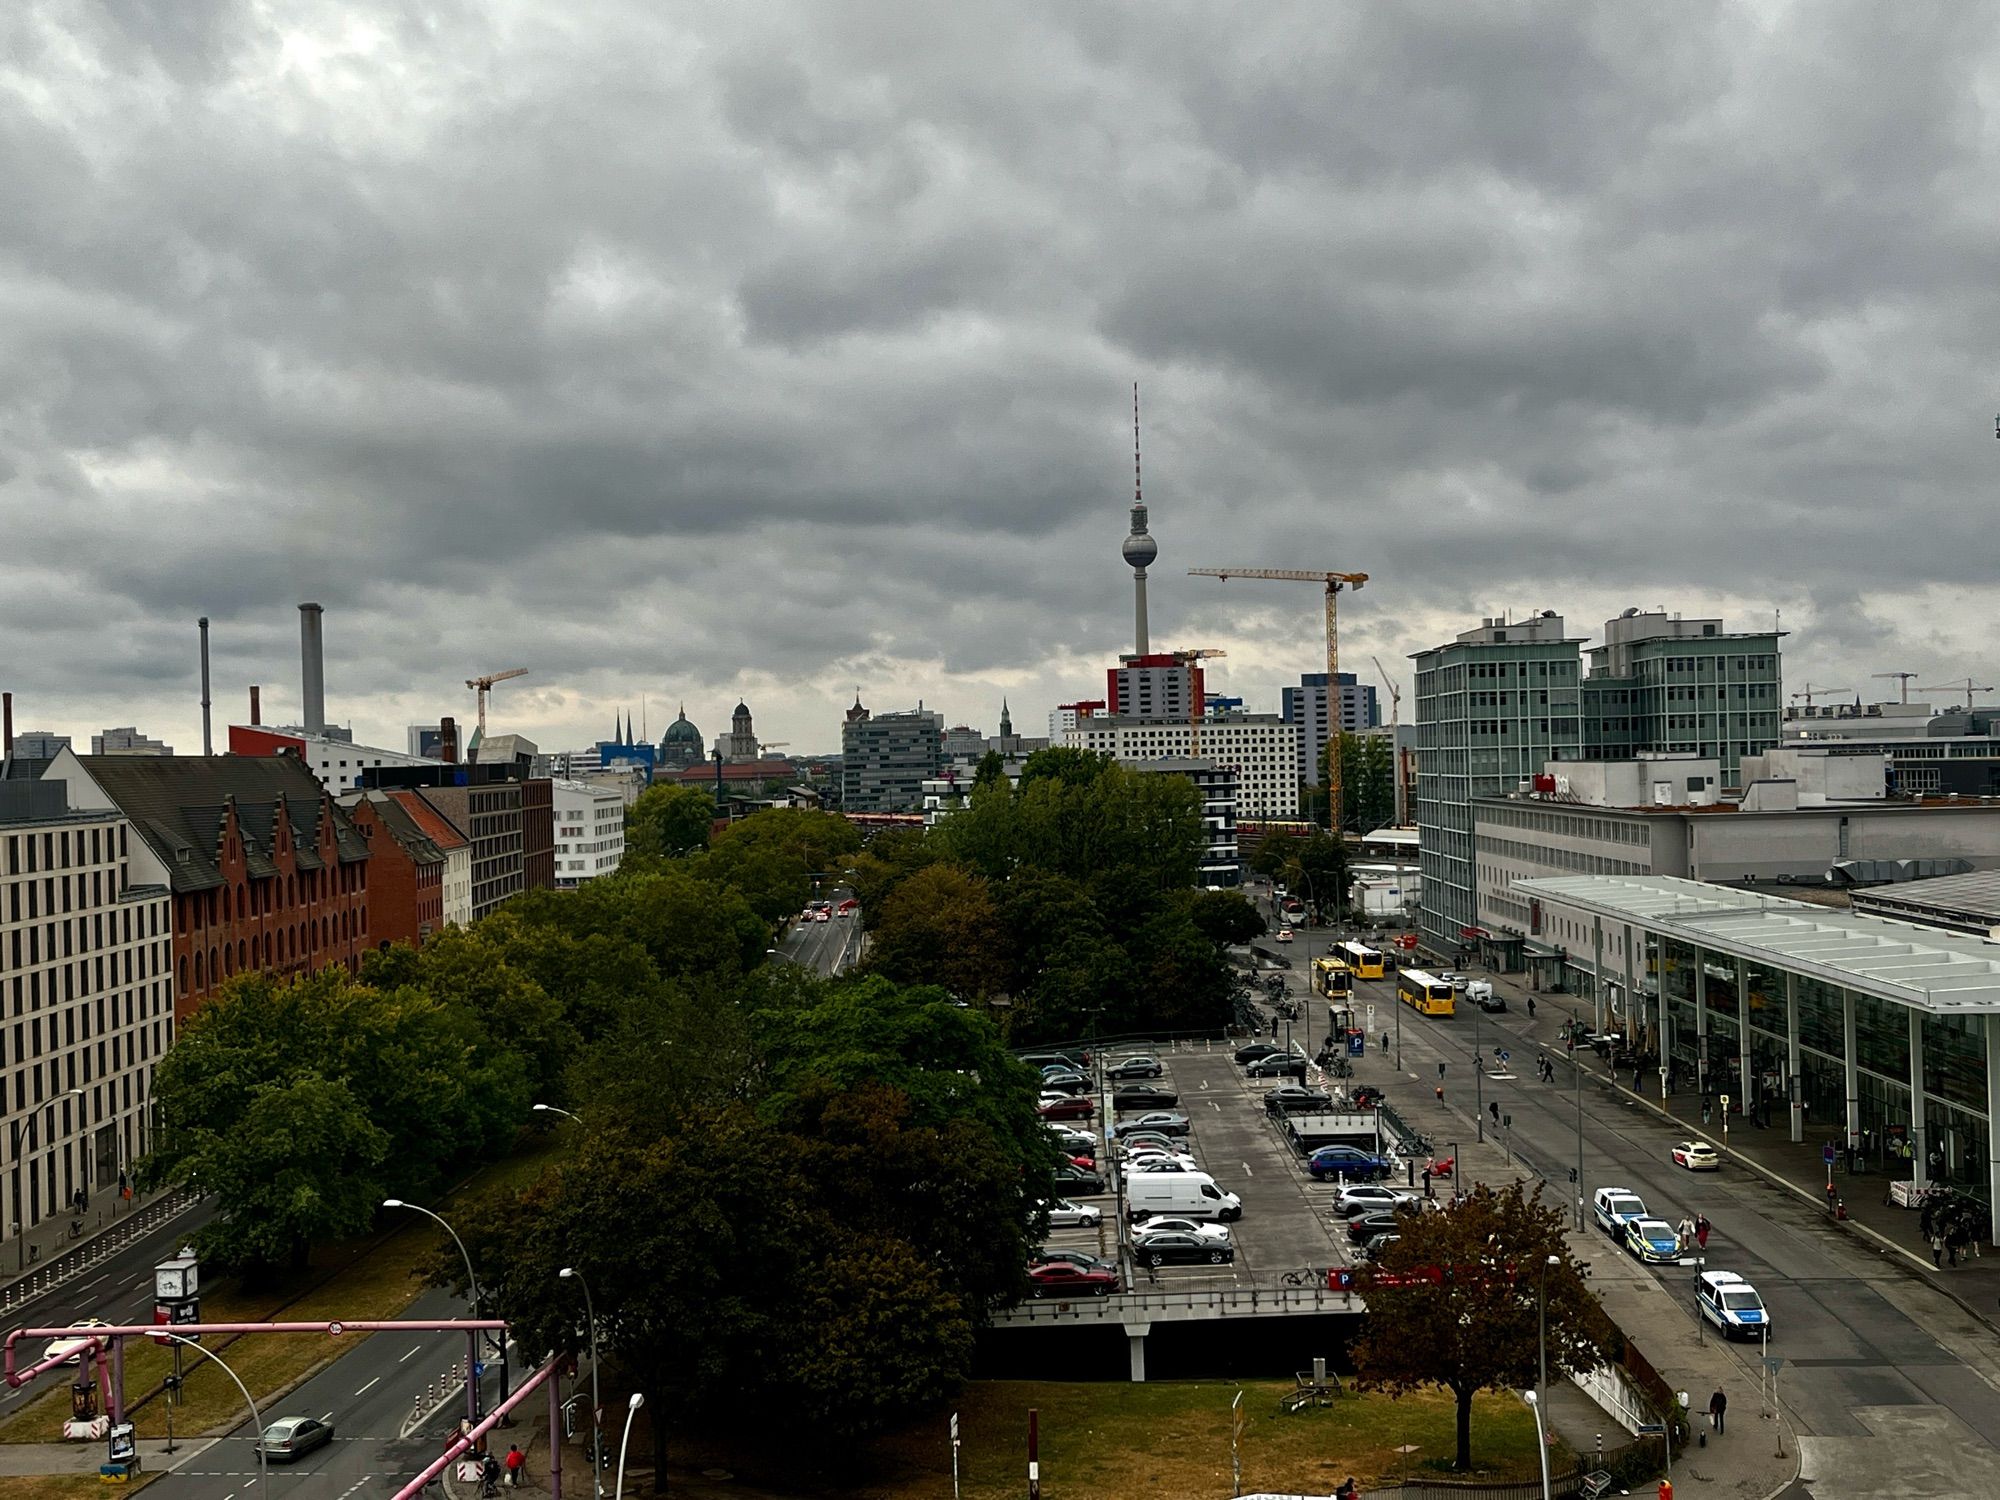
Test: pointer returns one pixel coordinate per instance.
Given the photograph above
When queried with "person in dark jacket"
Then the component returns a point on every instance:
(1718, 1407)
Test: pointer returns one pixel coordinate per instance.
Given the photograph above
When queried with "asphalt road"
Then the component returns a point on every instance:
(829, 947)
(371, 1395)
(119, 1290)
(1895, 1388)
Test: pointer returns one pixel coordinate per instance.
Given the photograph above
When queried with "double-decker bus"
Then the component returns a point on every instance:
(1332, 978)
(1425, 994)
(1366, 962)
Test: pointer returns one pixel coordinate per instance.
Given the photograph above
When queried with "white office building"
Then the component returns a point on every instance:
(590, 831)
(1262, 750)
(86, 974)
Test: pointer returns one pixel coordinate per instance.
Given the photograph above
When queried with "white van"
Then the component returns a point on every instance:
(1192, 1195)
(1732, 1305)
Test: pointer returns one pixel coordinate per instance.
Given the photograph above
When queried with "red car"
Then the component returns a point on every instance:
(1063, 1279)
(1070, 1107)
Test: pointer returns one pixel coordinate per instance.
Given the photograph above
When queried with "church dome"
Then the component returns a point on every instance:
(681, 732)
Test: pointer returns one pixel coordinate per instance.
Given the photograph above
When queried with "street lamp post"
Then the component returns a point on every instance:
(550, 1109)
(478, 1299)
(1541, 1439)
(1542, 1325)
(631, 1411)
(596, 1405)
(256, 1422)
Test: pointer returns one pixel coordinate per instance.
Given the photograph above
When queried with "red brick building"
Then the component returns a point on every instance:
(405, 871)
(266, 873)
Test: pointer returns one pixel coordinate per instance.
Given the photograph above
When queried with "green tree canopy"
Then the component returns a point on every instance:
(940, 927)
(1500, 1252)
(668, 821)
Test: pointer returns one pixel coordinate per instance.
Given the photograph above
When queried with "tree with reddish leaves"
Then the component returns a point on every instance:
(1500, 1253)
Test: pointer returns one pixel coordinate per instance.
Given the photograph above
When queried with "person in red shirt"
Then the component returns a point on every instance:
(517, 1465)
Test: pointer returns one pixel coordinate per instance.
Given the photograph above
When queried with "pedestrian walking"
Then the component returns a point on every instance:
(1701, 1227)
(1704, 1109)
(1531, 1007)
(1493, 1109)
(517, 1465)
(1832, 1199)
(489, 1476)
(1937, 1251)
(1686, 1232)
(1428, 1193)
(1718, 1407)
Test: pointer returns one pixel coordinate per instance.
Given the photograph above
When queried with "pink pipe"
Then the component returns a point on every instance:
(463, 1443)
(334, 1328)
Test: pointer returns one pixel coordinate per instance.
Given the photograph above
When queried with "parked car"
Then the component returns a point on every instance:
(1060, 1279)
(1277, 1065)
(1295, 1099)
(1064, 1214)
(1697, 1156)
(289, 1438)
(1065, 1083)
(1249, 1052)
(1615, 1207)
(1177, 1247)
(1073, 1142)
(1375, 1249)
(1347, 1161)
(1162, 1162)
(1066, 1107)
(1143, 1096)
(1131, 1140)
(1048, 1256)
(1220, 1233)
(1084, 1181)
(1164, 1121)
(1284, 934)
(1455, 980)
(1040, 1061)
(1653, 1240)
(1482, 994)
(1359, 1198)
(1364, 1227)
(1732, 1305)
(1135, 1067)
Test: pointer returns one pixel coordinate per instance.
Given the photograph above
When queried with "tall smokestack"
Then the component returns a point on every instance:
(448, 740)
(312, 669)
(6, 726)
(256, 705)
(207, 734)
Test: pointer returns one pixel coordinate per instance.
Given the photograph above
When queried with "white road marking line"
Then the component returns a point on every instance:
(326, 1416)
(365, 1389)
(417, 1350)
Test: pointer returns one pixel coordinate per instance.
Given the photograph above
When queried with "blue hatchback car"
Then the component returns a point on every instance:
(1347, 1161)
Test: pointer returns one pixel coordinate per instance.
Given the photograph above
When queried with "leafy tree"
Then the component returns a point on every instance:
(1480, 1329)
(1065, 763)
(940, 927)
(892, 856)
(668, 820)
(1225, 918)
(1319, 867)
(771, 879)
(1272, 855)
(1367, 779)
(683, 925)
(992, 771)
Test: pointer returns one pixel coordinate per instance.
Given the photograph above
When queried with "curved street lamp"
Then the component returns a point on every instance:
(256, 1422)
(550, 1109)
(596, 1403)
(631, 1411)
(478, 1297)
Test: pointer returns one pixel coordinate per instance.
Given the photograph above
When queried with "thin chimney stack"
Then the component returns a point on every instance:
(207, 726)
(312, 664)
(256, 705)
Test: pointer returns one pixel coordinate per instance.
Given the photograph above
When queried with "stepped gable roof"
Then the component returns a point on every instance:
(180, 804)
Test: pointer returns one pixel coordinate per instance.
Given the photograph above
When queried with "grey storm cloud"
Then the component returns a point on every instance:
(704, 350)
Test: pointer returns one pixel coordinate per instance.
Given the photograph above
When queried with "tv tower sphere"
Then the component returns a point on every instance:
(1139, 548)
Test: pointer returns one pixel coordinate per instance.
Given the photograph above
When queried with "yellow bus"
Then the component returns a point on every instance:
(1425, 994)
(1366, 962)
(1332, 978)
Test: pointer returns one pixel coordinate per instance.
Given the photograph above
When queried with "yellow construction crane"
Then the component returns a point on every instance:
(1333, 584)
(484, 685)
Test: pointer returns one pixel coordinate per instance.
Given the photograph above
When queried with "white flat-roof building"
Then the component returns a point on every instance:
(1262, 750)
(589, 831)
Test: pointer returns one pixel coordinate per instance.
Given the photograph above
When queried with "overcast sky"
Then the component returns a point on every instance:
(703, 351)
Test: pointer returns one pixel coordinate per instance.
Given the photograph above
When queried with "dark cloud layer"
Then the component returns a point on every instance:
(710, 350)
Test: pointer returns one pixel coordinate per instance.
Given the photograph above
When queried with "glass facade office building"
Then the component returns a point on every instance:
(1875, 1034)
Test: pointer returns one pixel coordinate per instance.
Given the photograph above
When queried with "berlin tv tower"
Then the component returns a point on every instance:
(1140, 548)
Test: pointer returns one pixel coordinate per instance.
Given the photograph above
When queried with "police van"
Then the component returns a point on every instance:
(1732, 1305)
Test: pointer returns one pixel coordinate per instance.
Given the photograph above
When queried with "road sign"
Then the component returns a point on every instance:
(1371, 1011)
(1773, 1363)
(954, 1427)
(1652, 1429)
(1505, 1055)
(1826, 1153)
(1663, 1070)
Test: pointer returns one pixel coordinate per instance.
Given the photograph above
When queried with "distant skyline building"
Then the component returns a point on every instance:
(127, 741)
(1306, 706)
(1261, 751)
(39, 744)
(885, 759)
(680, 746)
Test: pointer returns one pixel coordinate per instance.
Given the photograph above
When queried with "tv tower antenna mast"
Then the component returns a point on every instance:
(1139, 549)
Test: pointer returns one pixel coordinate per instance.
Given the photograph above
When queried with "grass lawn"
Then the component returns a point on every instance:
(1116, 1441)
(364, 1279)
(64, 1486)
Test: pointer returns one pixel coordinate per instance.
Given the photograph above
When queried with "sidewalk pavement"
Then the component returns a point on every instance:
(1758, 1454)
(84, 1458)
(44, 1242)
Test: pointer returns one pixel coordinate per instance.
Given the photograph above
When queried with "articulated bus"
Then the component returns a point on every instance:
(1332, 978)
(1366, 962)
(1425, 994)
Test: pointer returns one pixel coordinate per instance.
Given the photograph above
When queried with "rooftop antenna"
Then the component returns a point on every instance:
(1139, 548)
